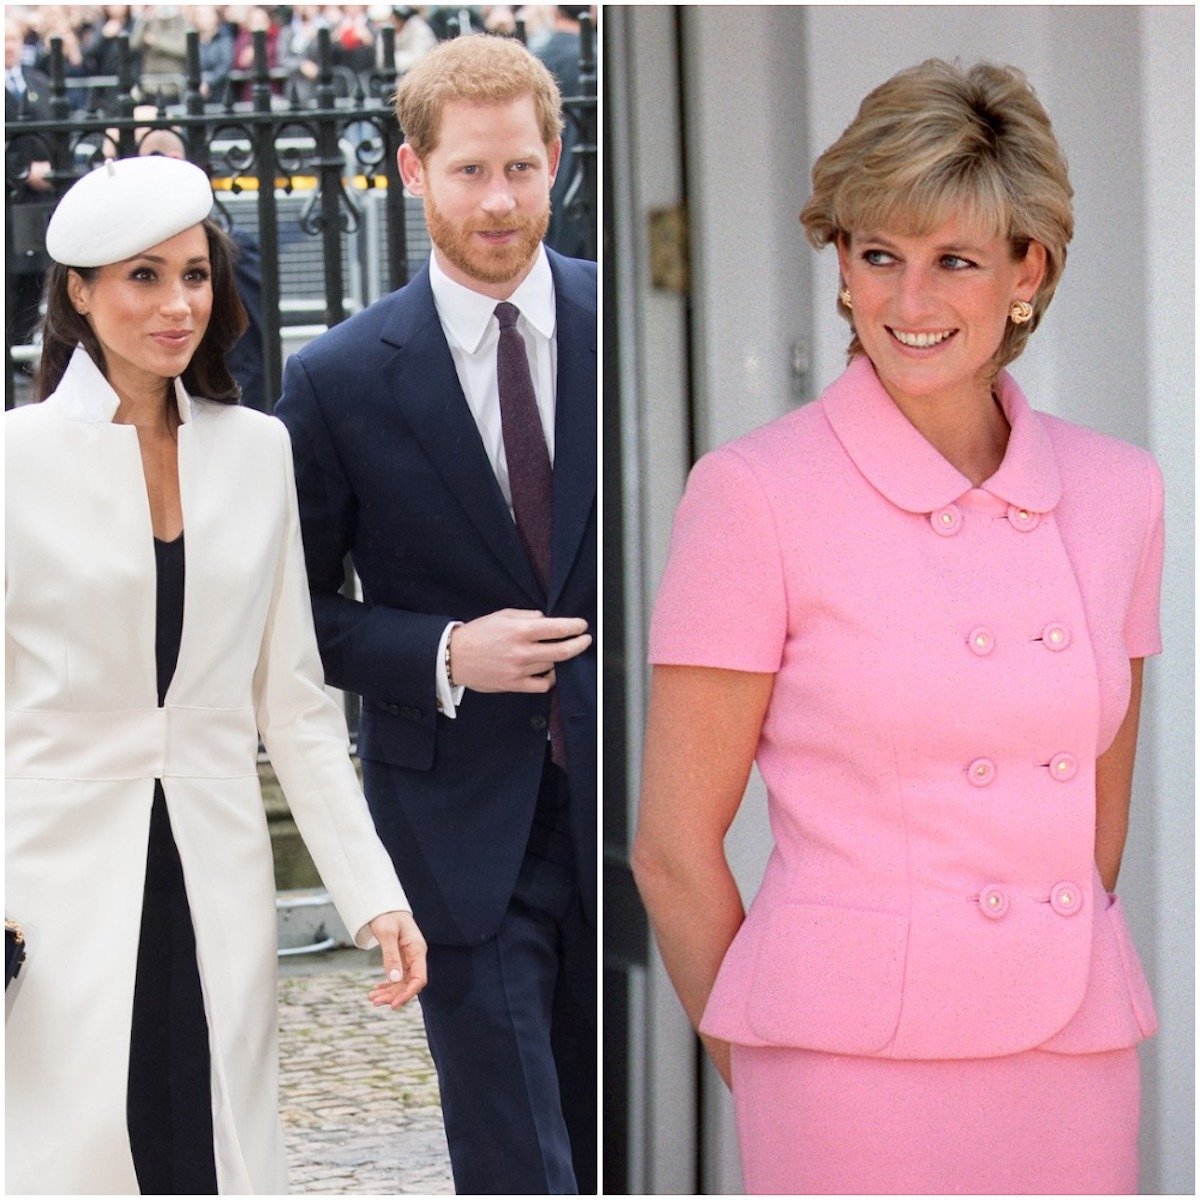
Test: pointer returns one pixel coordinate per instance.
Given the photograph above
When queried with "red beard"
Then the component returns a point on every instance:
(488, 264)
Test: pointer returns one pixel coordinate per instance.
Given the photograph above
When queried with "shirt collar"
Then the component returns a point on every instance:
(465, 314)
(83, 394)
(905, 468)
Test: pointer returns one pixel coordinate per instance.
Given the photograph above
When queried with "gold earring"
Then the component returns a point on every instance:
(1020, 311)
(844, 297)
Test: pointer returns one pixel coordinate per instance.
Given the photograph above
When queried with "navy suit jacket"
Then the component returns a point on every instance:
(390, 468)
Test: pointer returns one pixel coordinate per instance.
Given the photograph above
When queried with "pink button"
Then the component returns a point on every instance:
(981, 641)
(1056, 637)
(1022, 518)
(1066, 899)
(1063, 767)
(946, 521)
(981, 772)
(993, 903)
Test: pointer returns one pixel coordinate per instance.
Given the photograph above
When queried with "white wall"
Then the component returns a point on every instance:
(1165, 860)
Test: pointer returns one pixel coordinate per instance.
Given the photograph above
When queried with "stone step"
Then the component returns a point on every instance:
(306, 922)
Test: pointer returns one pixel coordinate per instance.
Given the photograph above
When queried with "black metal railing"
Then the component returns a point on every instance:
(311, 186)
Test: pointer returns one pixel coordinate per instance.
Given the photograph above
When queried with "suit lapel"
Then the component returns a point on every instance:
(425, 385)
(574, 419)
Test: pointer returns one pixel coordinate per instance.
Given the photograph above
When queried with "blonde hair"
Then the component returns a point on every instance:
(936, 141)
(481, 68)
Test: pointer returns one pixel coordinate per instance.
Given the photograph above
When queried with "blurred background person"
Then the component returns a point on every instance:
(27, 209)
(558, 48)
(216, 49)
(160, 36)
(414, 37)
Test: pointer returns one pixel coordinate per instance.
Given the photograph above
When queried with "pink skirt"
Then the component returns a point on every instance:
(1032, 1123)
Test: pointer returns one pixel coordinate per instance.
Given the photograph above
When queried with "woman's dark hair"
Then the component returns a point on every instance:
(206, 375)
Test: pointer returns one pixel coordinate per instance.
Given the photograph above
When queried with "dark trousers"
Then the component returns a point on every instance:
(512, 1027)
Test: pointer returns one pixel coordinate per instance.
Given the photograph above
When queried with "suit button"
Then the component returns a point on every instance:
(981, 641)
(394, 709)
(1056, 637)
(538, 722)
(1063, 767)
(1023, 519)
(1066, 899)
(412, 713)
(981, 772)
(993, 903)
(946, 521)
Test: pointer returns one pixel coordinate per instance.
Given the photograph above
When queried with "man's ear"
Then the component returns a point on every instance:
(554, 157)
(412, 170)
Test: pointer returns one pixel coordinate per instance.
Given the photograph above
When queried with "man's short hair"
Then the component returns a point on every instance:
(480, 68)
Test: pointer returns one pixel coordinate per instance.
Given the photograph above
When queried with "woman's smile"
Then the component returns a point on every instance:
(920, 341)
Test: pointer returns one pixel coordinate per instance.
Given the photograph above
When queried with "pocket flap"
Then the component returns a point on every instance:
(829, 978)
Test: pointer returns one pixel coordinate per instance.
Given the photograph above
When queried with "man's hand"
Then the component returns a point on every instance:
(514, 650)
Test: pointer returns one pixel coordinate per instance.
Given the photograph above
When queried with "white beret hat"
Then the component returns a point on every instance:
(124, 207)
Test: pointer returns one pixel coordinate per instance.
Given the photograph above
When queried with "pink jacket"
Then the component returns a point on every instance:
(950, 661)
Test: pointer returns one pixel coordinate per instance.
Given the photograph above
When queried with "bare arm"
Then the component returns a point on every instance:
(702, 732)
(1114, 782)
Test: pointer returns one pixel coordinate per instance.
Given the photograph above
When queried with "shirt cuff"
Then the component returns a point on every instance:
(448, 698)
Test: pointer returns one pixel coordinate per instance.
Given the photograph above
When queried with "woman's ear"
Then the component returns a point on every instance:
(77, 292)
(1033, 270)
(843, 253)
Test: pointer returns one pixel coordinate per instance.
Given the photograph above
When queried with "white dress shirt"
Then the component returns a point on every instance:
(469, 322)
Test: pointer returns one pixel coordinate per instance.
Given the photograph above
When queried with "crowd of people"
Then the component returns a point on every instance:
(157, 41)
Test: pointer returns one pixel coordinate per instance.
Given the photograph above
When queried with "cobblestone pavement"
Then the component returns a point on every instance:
(357, 1089)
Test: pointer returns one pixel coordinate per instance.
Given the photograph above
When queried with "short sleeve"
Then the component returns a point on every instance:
(1142, 636)
(723, 601)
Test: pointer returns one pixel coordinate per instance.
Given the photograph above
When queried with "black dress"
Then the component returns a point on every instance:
(169, 1104)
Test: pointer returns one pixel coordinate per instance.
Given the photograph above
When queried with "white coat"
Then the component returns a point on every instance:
(86, 740)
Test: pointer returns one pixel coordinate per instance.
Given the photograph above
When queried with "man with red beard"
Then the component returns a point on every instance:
(446, 439)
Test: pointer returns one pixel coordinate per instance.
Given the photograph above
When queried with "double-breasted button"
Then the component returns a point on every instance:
(1023, 519)
(981, 772)
(993, 902)
(946, 521)
(1066, 899)
(1063, 767)
(1056, 637)
(982, 641)
(538, 722)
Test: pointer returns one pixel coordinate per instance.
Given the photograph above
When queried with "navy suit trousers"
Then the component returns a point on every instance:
(512, 1027)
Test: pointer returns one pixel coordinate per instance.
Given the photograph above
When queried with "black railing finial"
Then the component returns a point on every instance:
(261, 79)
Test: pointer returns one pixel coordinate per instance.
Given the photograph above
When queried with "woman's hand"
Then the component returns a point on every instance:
(404, 969)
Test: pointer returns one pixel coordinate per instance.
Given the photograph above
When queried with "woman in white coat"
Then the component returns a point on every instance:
(141, 1035)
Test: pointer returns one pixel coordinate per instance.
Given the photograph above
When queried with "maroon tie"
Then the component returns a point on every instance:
(530, 478)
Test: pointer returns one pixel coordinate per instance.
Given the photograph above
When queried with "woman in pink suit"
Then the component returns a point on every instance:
(922, 608)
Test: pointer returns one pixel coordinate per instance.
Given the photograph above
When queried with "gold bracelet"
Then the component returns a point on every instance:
(449, 670)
